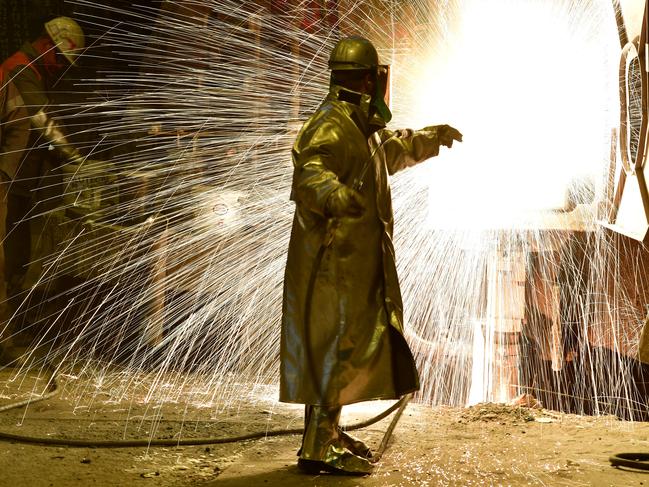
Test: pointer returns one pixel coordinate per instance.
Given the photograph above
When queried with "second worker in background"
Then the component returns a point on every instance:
(32, 146)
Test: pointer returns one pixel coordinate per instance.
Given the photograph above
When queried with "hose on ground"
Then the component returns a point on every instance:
(53, 390)
(636, 461)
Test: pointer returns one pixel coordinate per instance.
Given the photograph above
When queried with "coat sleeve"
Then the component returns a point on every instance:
(405, 148)
(317, 165)
(14, 128)
(37, 104)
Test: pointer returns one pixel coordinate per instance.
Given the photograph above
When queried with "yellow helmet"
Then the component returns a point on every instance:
(68, 37)
(353, 53)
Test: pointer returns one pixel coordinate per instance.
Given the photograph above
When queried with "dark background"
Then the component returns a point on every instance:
(21, 20)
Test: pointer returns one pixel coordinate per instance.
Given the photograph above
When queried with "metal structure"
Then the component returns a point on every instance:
(628, 205)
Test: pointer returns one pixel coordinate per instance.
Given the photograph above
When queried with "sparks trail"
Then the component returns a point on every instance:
(180, 245)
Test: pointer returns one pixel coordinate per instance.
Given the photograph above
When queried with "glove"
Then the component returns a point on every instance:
(53, 133)
(447, 134)
(345, 202)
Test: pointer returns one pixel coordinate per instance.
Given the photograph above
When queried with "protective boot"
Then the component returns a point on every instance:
(323, 449)
(339, 461)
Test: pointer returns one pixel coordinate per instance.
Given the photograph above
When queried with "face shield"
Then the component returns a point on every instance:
(381, 99)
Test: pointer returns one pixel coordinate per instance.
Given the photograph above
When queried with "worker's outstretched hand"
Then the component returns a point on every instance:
(345, 202)
(447, 135)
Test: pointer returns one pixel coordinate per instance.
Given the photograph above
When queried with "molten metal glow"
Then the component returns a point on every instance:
(533, 87)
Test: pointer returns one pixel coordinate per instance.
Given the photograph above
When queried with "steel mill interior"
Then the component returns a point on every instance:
(158, 162)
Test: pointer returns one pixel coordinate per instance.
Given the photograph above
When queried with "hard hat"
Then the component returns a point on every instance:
(68, 37)
(353, 53)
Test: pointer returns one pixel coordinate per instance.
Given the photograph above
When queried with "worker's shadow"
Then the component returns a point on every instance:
(286, 477)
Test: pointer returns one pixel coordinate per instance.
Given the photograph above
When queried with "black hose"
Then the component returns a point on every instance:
(53, 390)
(142, 443)
(636, 461)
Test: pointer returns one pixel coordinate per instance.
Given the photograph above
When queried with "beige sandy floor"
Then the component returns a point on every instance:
(483, 445)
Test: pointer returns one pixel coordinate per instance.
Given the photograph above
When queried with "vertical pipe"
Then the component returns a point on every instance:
(619, 20)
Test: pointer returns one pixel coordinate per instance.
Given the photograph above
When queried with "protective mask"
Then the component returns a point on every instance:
(379, 102)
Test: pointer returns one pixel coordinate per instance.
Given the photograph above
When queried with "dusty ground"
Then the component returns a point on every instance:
(483, 445)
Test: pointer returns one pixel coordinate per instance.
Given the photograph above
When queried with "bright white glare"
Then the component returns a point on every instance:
(532, 86)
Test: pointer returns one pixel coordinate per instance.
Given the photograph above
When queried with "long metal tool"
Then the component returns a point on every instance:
(403, 402)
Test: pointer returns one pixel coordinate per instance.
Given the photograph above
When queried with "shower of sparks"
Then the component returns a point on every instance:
(180, 247)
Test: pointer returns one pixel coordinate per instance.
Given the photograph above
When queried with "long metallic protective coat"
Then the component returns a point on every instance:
(342, 272)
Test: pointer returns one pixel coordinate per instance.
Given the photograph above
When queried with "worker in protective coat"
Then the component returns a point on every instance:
(342, 327)
(34, 70)
(14, 133)
(27, 138)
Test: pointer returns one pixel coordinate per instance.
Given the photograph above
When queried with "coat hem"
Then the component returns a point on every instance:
(383, 397)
